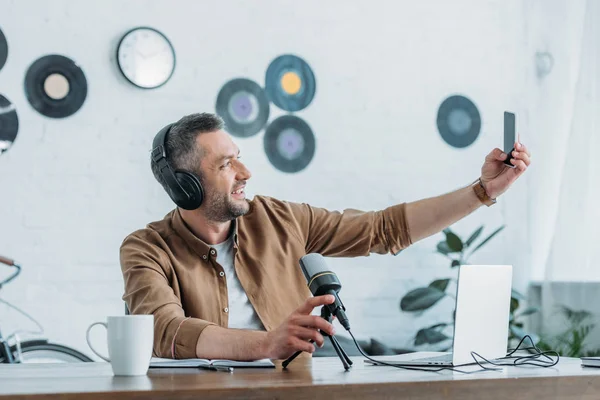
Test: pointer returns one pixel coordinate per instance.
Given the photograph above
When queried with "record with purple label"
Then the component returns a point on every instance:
(244, 107)
(290, 83)
(55, 86)
(3, 49)
(458, 121)
(289, 143)
(9, 124)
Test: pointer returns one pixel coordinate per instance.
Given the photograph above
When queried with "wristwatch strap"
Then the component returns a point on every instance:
(482, 193)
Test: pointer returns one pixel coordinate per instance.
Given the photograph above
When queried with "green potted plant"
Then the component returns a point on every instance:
(572, 341)
(423, 298)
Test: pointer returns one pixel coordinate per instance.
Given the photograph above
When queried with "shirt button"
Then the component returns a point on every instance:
(212, 252)
(226, 309)
(204, 257)
(221, 273)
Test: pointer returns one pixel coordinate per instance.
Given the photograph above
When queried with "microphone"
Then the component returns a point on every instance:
(322, 281)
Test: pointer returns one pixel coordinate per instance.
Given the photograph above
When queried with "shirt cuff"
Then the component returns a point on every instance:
(186, 337)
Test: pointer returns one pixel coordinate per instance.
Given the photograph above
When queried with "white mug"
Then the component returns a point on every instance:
(130, 339)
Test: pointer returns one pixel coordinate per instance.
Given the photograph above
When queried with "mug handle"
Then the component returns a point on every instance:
(87, 338)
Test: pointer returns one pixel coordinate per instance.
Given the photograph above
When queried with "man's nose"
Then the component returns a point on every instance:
(243, 173)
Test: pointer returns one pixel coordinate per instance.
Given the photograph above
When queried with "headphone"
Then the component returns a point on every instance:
(183, 187)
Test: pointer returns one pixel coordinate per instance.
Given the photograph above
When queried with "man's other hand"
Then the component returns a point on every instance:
(295, 332)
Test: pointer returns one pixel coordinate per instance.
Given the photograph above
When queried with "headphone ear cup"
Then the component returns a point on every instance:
(191, 183)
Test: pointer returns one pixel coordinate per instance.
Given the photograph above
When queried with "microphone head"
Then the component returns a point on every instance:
(319, 278)
(322, 281)
(312, 264)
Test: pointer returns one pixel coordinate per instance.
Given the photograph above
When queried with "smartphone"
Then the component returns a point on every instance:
(509, 136)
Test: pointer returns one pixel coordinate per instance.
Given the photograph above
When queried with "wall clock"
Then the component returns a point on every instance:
(146, 57)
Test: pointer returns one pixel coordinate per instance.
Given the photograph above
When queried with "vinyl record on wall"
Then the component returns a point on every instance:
(3, 49)
(55, 86)
(289, 143)
(9, 124)
(244, 107)
(290, 83)
(458, 121)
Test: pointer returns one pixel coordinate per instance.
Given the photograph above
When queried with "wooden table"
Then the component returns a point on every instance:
(317, 378)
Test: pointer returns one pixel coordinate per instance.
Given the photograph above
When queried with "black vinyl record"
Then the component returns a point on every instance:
(289, 143)
(244, 107)
(55, 86)
(3, 49)
(458, 121)
(9, 124)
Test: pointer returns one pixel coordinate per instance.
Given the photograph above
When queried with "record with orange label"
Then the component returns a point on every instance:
(290, 83)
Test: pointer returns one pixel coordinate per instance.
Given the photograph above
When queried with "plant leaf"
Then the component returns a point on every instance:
(454, 242)
(517, 295)
(421, 299)
(575, 317)
(474, 236)
(518, 332)
(441, 325)
(497, 231)
(455, 263)
(514, 304)
(529, 311)
(443, 248)
(430, 336)
(440, 284)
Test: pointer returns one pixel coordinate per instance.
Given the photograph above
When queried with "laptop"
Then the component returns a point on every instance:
(482, 314)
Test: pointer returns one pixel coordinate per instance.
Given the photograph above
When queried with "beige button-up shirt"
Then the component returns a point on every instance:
(172, 274)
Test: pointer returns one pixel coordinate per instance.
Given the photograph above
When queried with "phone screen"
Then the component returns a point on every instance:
(509, 136)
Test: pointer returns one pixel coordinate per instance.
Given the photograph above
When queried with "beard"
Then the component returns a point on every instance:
(220, 207)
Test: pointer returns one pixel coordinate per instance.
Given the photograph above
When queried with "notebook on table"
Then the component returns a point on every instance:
(206, 363)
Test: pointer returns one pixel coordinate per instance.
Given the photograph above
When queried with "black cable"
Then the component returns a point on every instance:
(532, 359)
(13, 276)
(518, 360)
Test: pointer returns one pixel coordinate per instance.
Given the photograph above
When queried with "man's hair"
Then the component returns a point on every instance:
(180, 147)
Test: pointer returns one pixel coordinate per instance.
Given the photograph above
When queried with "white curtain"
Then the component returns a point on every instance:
(565, 202)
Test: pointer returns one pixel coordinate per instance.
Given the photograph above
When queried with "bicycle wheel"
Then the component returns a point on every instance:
(40, 351)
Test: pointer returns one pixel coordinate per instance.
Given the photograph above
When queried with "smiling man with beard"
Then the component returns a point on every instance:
(220, 273)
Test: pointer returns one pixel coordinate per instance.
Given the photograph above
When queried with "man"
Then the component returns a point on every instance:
(221, 276)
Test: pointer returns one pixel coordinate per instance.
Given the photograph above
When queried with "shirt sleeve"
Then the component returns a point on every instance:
(145, 268)
(352, 233)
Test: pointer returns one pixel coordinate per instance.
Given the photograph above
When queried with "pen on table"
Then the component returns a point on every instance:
(221, 368)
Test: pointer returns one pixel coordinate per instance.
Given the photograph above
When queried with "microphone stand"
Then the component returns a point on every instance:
(326, 315)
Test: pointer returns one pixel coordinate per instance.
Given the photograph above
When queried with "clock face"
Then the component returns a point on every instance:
(146, 57)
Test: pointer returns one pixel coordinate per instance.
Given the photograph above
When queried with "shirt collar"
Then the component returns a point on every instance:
(195, 243)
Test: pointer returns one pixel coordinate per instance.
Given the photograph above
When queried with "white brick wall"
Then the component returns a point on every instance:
(73, 188)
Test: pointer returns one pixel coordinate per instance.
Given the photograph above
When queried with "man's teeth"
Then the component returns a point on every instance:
(238, 191)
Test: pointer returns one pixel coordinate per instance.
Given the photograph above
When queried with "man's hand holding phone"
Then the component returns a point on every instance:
(495, 176)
